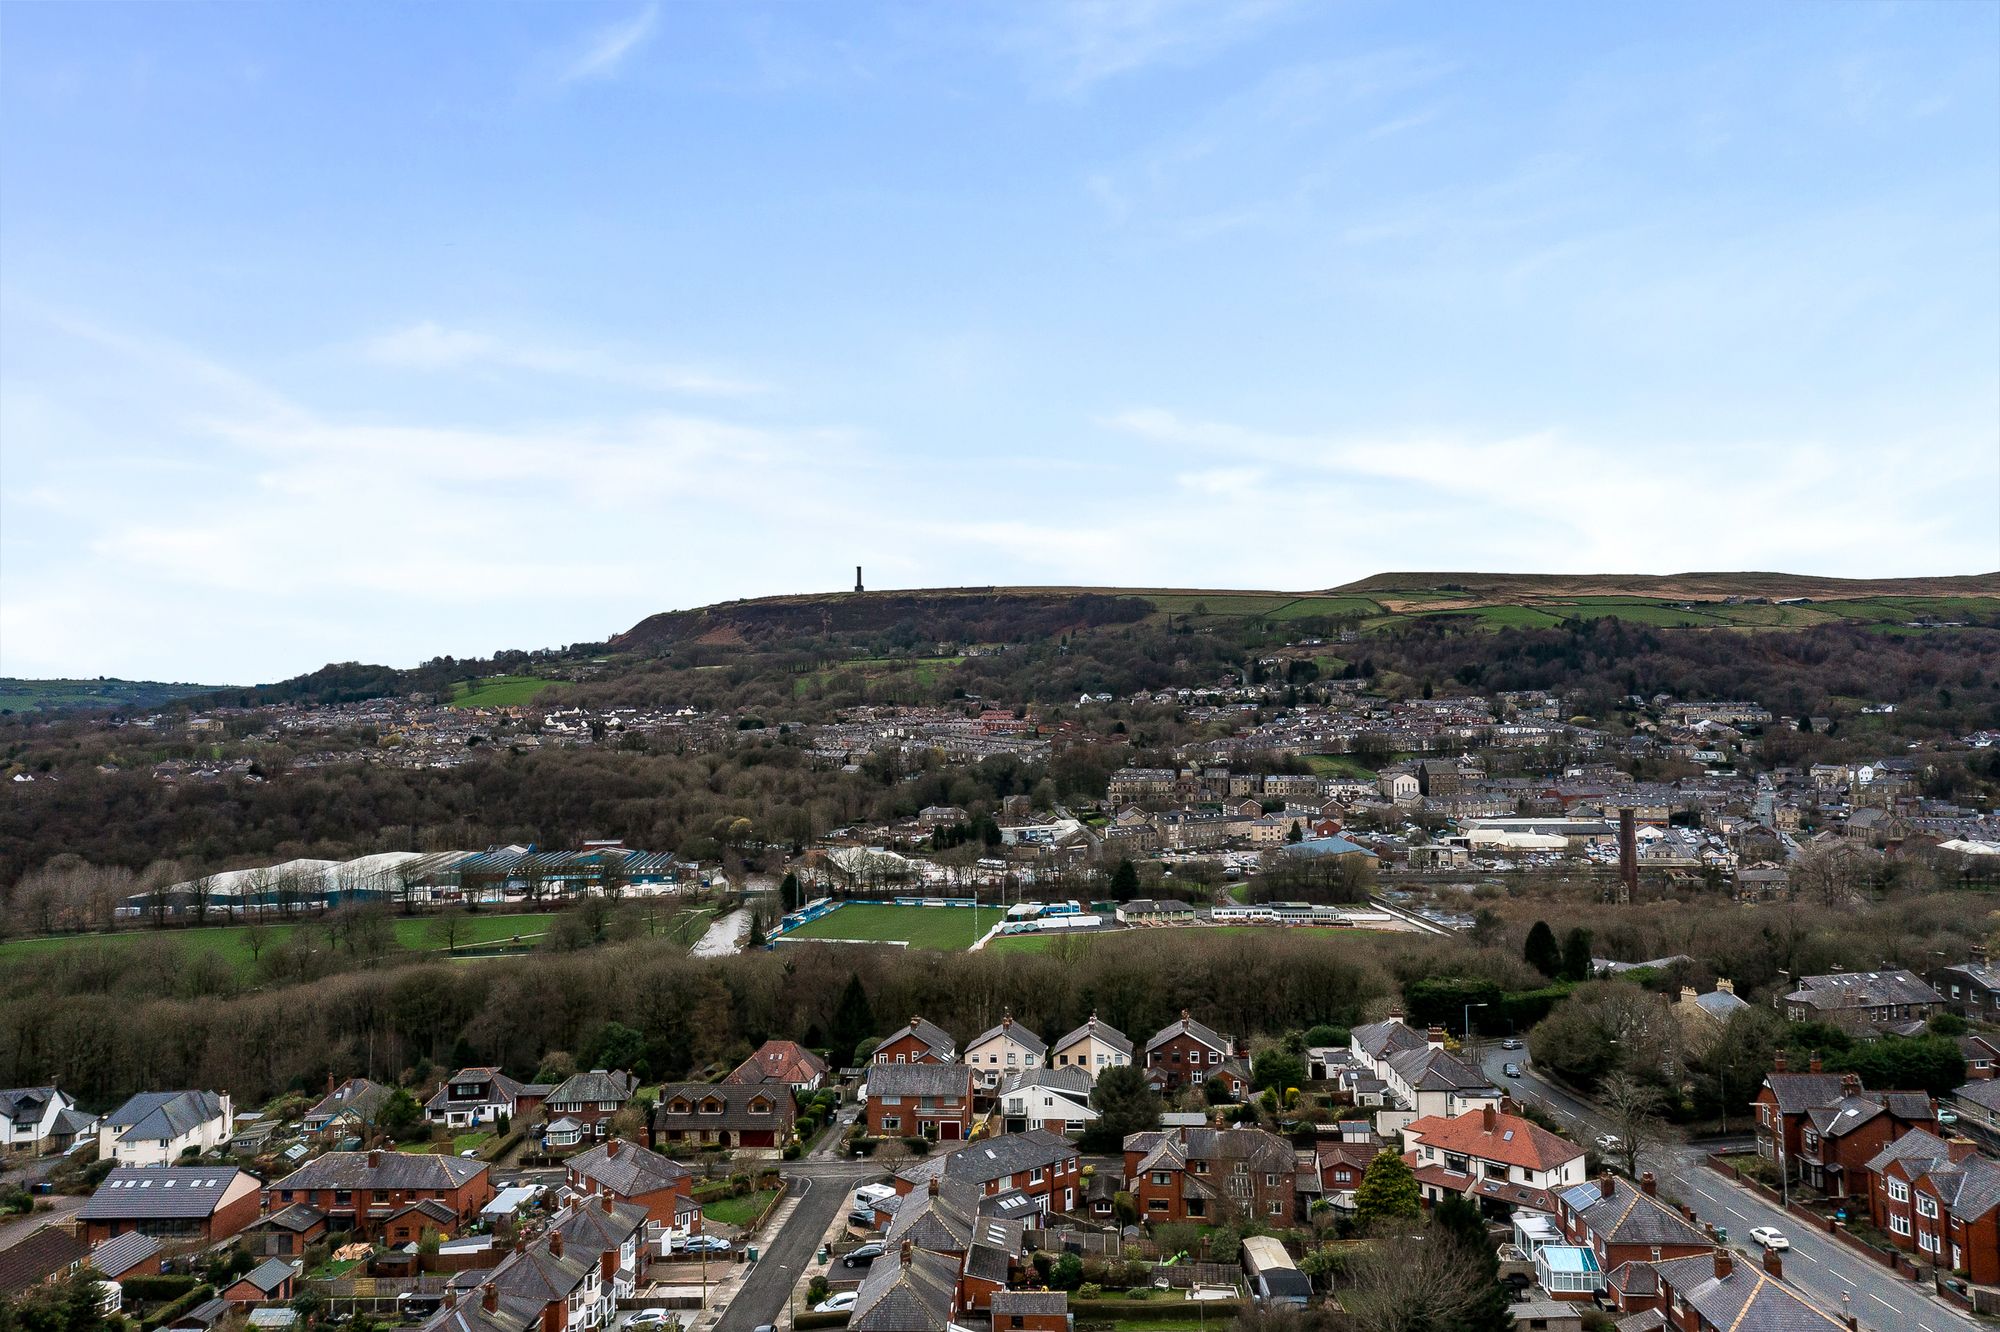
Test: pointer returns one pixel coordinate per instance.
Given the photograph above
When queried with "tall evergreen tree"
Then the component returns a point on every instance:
(1125, 881)
(853, 1020)
(1576, 955)
(1542, 952)
(789, 894)
(1125, 1105)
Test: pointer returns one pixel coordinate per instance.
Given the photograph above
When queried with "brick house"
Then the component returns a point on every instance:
(1019, 1173)
(1825, 1127)
(628, 1173)
(409, 1223)
(360, 1191)
(210, 1203)
(1895, 1000)
(1622, 1222)
(588, 1101)
(1718, 1292)
(783, 1061)
(723, 1114)
(920, 1100)
(1500, 1160)
(285, 1233)
(919, 1043)
(571, 1276)
(1971, 989)
(945, 1217)
(1030, 1311)
(1213, 1176)
(1182, 1053)
(1939, 1200)
(349, 1108)
(273, 1281)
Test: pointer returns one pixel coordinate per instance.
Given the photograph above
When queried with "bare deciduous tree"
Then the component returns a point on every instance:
(1409, 1282)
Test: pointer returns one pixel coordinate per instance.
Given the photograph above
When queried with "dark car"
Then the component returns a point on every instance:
(1512, 1070)
(867, 1253)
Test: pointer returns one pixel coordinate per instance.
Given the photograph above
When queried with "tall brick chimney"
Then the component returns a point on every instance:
(489, 1297)
(1628, 854)
(1778, 1062)
(555, 1243)
(1647, 1184)
(374, 1159)
(1489, 1118)
(1812, 1064)
(1724, 1264)
(1774, 1263)
(611, 1147)
(1605, 1186)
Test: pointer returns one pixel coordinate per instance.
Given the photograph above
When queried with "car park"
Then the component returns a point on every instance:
(862, 1256)
(1771, 1237)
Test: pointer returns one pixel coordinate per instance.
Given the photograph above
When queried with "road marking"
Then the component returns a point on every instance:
(1884, 1303)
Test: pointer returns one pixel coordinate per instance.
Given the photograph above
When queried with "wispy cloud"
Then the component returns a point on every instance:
(1073, 46)
(604, 50)
(430, 346)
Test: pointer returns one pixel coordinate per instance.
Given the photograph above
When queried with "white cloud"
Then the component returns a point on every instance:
(429, 346)
(1075, 45)
(607, 48)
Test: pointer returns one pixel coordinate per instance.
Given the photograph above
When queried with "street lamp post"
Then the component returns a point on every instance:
(1468, 1020)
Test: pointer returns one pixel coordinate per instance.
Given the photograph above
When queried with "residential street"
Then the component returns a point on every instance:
(826, 1187)
(1833, 1274)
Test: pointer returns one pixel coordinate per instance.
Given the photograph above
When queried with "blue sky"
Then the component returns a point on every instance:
(383, 331)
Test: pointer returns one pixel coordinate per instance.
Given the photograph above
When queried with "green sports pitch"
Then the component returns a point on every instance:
(940, 928)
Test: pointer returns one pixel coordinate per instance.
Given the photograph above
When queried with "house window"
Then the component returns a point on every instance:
(891, 1122)
(1898, 1191)
(1162, 1178)
(1927, 1206)
(1277, 1208)
(1899, 1223)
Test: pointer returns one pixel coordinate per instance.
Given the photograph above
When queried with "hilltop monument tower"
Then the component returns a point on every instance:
(857, 578)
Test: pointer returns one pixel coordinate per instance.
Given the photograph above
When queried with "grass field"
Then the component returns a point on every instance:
(500, 691)
(1339, 765)
(920, 671)
(940, 928)
(739, 1211)
(232, 942)
(17, 695)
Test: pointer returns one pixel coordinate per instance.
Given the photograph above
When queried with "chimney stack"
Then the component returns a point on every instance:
(1489, 1118)
(555, 1243)
(1435, 1037)
(611, 1148)
(914, 1020)
(1778, 1062)
(1850, 1084)
(1724, 1263)
(908, 1248)
(1725, 986)
(489, 1297)
(1774, 1264)
(1648, 1185)
(374, 1159)
(934, 1186)
(1605, 1186)
(604, 1200)
(1812, 1064)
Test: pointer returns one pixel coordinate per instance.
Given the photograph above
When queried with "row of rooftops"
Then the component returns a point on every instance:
(944, 1047)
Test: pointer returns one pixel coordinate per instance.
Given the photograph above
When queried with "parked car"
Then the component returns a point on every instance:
(1512, 1070)
(862, 1216)
(1511, 1043)
(862, 1256)
(839, 1303)
(1770, 1238)
(650, 1318)
(705, 1244)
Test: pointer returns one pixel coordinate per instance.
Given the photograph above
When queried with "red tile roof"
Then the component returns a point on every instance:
(1512, 1140)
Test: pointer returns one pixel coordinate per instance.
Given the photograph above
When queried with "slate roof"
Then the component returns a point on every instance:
(939, 1215)
(1102, 1031)
(386, 1170)
(359, 1097)
(26, 1105)
(490, 1080)
(779, 1061)
(137, 1193)
(1720, 1004)
(736, 1098)
(269, 1275)
(119, 1255)
(989, 1159)
(1970, 1188)
(1266, 1152)
(1070, 1080)
(1378, 1040)
(630, 1170)
(1187, 1026)
(919, 1080)
(594, 1086)
(1629, 1215)
(996, 1243)
(1042, 1303)
(1426, 1069)
(1797, 1093)
(299, 1218)
(906, 1296)
(37, 1258)
(163, 1116)
(928, 1034)
(1747, 1300)
(1019, 1034)
(1863, 989)
(1983, 1092)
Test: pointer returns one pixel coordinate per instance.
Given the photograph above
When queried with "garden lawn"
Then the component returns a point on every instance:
(940, 928)
(739, 1212)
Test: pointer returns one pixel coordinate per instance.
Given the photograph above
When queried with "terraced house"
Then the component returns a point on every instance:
(1940, 1200)
(1825, 1127)
(364, 1191)
(1005, 1049)
(570, 1277)
(1094, 1047)
(1017, 1174)
(625, 1172)
(919, 1043)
